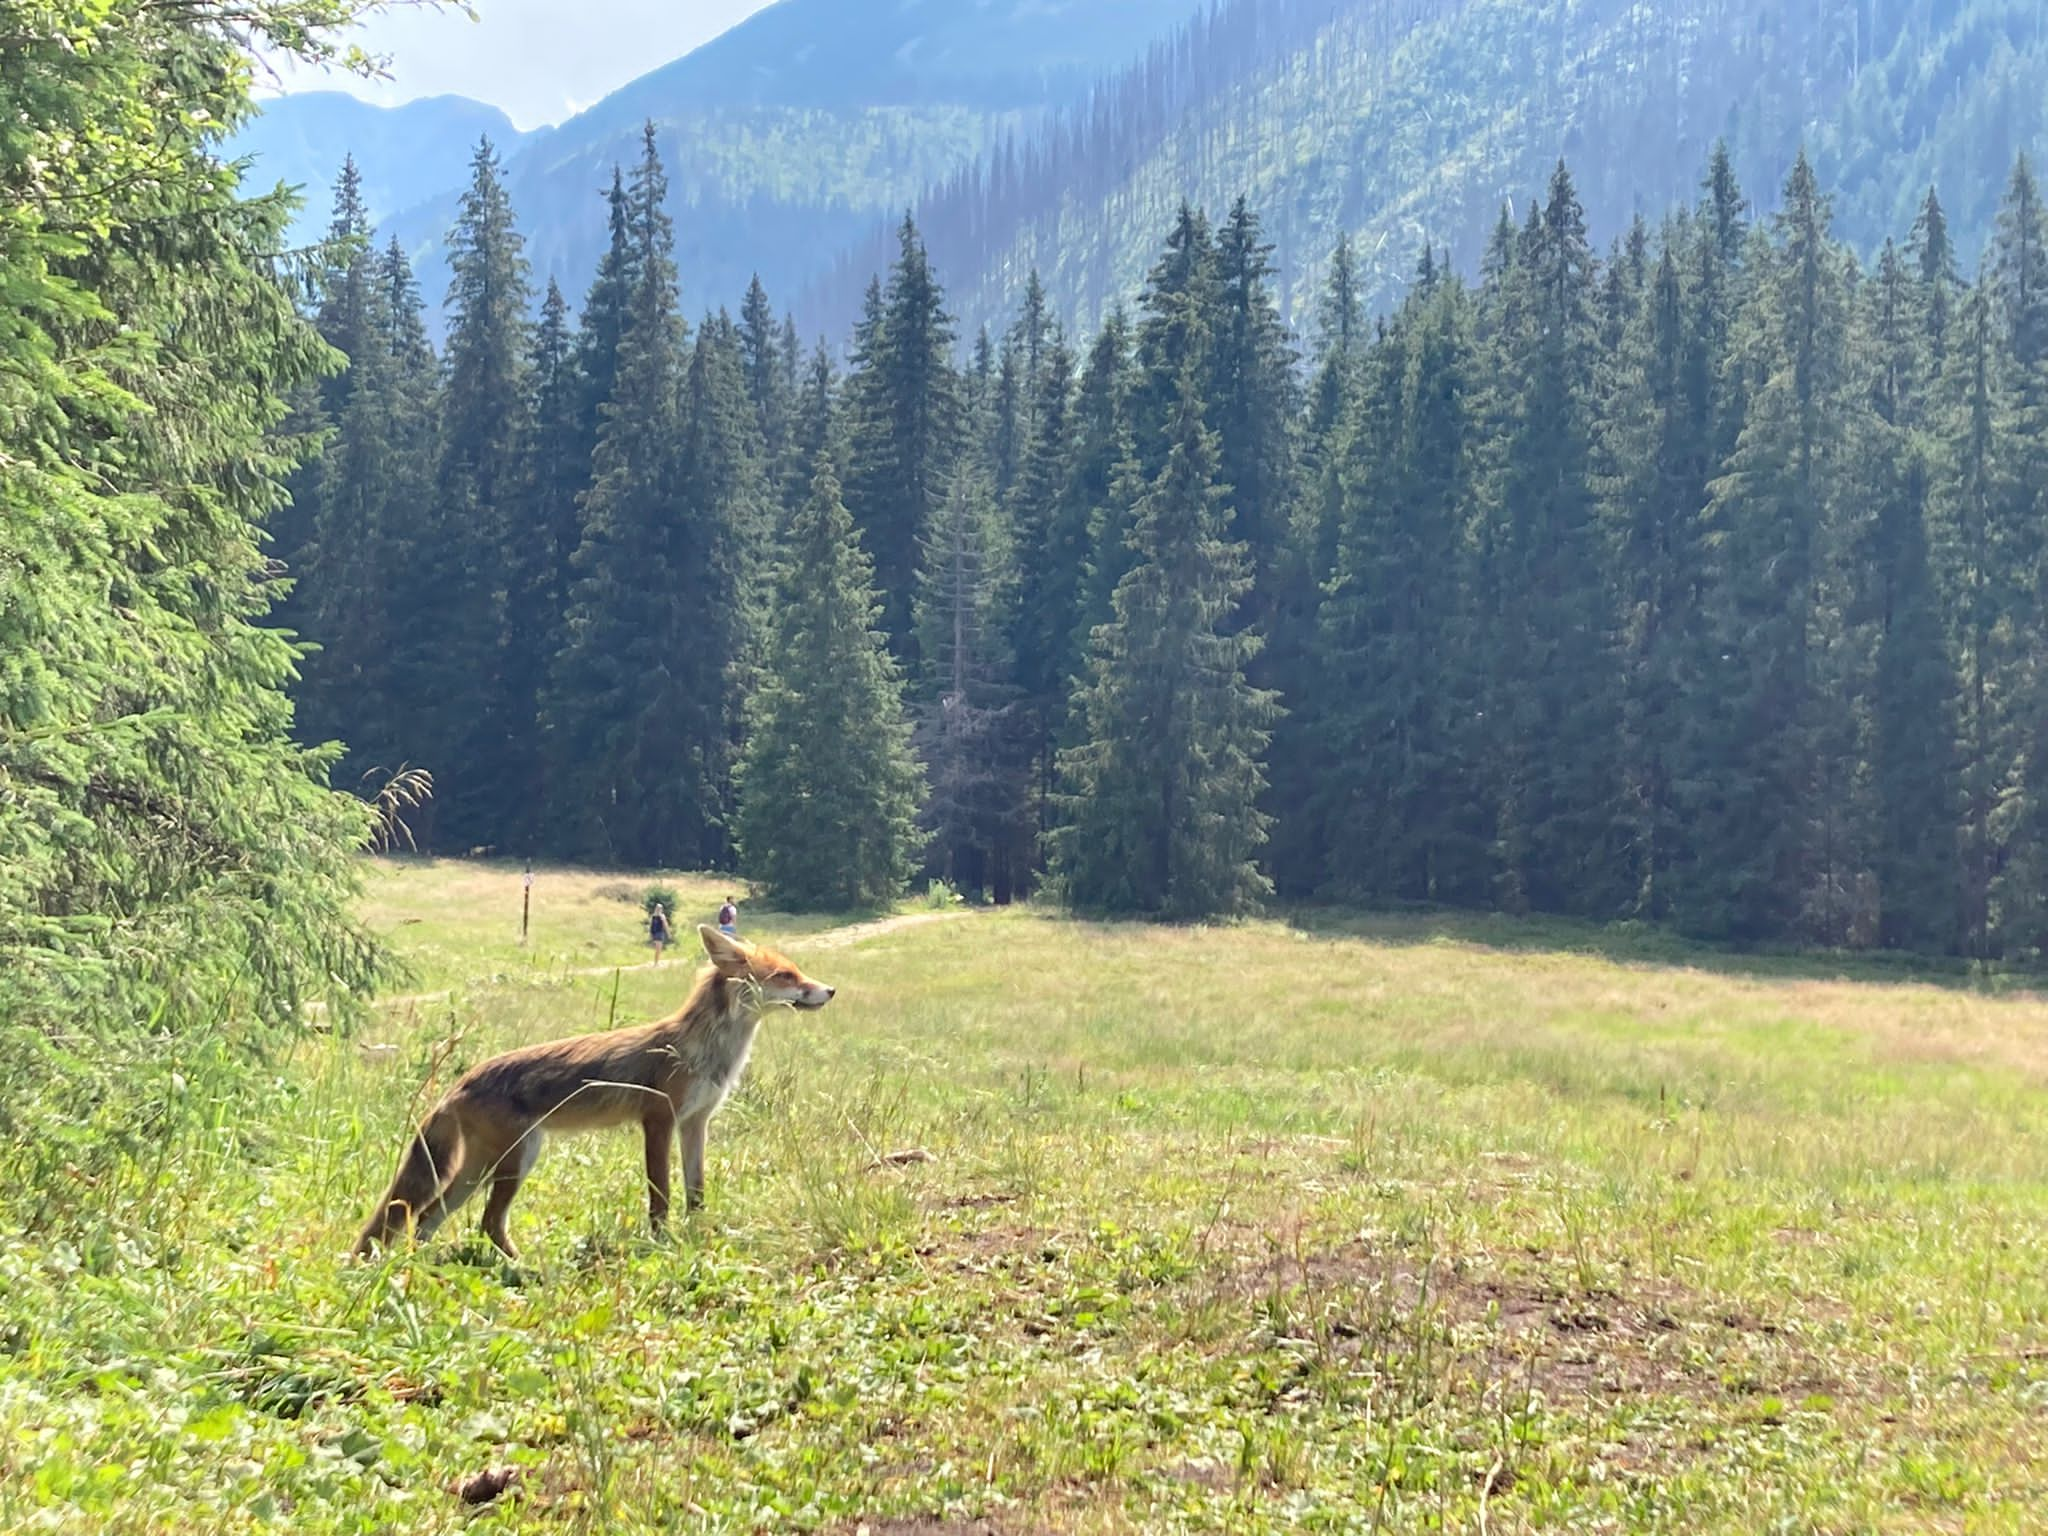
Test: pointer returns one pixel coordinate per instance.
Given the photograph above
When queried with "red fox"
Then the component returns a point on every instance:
(665, 1076)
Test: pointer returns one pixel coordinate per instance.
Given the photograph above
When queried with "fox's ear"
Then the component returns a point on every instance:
(727, 953)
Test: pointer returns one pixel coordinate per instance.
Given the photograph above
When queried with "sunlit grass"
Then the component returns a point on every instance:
(457, 922)
(1371, 1225)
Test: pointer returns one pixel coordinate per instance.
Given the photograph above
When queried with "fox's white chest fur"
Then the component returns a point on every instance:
(714, 1065)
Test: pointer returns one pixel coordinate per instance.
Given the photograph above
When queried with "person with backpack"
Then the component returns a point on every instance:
(728, 919)
(657, 930)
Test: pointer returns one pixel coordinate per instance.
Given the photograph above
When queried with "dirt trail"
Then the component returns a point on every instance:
(829, 938)
(855, 933)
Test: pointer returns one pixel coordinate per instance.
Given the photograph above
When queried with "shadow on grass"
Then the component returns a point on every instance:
(1644, 945)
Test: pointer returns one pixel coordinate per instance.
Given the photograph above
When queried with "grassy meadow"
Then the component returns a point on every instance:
(1399, 1224)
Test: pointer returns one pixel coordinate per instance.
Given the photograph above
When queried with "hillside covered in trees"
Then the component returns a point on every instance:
(1694, 580)
(1400, 122)
(1059, 139)
(786, 137)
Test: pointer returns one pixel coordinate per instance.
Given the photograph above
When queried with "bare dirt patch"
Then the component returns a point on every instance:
(1208, 1475)
(1643, 1337)
(979, 1202)
(990, 1249)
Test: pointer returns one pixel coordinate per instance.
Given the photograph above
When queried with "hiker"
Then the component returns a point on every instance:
(657, 930)
(728, 919)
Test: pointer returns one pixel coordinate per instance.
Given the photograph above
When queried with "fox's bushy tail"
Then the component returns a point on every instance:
(424, 1173)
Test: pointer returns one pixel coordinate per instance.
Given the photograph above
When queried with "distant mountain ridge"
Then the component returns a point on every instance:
(1003, 55)
(1060, 135)
(406, 153)
(786, 137)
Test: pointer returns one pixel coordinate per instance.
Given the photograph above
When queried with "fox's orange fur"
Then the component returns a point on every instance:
(667, 1076)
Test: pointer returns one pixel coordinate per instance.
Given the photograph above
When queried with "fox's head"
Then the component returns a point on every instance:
(776, 975)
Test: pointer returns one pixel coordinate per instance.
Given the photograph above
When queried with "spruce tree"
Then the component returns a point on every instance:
(1102, 484)
(906, 410)
(1161, 798)
(346, 316)
(350, 562)
(1724, 209)
(1911, 734)
(1555, 689)
(1341, 341)
(2019, 268)
(1340, 312)
(617, 692)
(792, 357)
(1180, 308)
(1048, 533)
(1492, 404)
(1393, 800)
(414, 427)
(1000, 421)
(327, 495)
(1934, 258)
(363, 567)
(343, 281)
(606, 310)
(453, 676)
(828, 788)
(815, 434)
(1298, 852)
(1253, 402)
(1774, 854)
(1035, 332)
(968, 727)
(2019, 284)
(1658, 443)
(725, 506)
(551, 473)
(173, 862)
(484, 403)
(769, 384)
(1982, 583)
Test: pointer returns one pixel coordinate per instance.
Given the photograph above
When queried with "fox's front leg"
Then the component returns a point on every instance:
(693, 1160)
(660, 1126)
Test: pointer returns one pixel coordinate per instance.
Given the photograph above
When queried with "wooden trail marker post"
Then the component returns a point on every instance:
(526, 905)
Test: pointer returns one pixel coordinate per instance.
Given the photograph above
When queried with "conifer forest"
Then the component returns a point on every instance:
(1695, 581)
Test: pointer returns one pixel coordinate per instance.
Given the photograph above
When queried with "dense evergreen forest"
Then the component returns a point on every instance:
(1698, 581)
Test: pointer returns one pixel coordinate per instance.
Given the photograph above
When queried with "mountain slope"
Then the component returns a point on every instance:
(405, 153)
(1000, 54)
(1401, 121)
(791, 134)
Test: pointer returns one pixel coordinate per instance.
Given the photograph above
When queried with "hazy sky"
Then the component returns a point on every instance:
(540, 60)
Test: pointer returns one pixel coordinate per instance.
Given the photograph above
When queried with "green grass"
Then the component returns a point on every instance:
(1400, 1224)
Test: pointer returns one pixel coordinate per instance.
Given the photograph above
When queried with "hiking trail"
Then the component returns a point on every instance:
(828, 938)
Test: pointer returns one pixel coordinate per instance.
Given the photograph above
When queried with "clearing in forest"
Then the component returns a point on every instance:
(1342, 1224)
